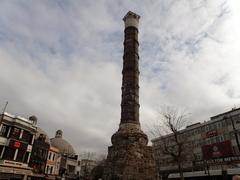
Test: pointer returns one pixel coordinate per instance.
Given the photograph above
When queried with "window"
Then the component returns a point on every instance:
(53, 156)
(219, 125)
(232, 135)
(51, 170)
(213, 140)
(226, 136)
(27, 137)
(47, 169)
(228, 122)
(9, 153)
(50, 156)
(20, 155)
(208, 141)
(4, 130)
(221, 138)
(15, 132)
(235, 150)
(25, 159)
(223, 123)
(1, 149)
(210, 127)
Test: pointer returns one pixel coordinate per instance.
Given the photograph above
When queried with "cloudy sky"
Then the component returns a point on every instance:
(61, 61)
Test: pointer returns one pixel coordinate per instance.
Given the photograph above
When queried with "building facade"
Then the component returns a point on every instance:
(39, 155)
(53, 163)
(213, 145)
(16, 142)
(69, 160)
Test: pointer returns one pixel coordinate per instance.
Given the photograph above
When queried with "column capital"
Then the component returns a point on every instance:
(131, 19)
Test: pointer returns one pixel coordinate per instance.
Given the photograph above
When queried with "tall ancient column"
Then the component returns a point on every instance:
(130, 72)
(129, 157)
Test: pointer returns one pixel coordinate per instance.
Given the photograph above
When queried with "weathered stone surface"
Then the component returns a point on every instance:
(129, 157)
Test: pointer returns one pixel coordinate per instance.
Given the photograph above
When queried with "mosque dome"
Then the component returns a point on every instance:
(41, 132)
(60, 143)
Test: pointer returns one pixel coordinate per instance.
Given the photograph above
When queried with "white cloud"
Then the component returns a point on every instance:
(61, 60)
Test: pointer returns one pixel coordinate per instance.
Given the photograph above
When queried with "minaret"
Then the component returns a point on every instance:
(129, 157)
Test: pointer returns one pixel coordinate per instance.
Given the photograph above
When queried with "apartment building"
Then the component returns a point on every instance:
(211, 145)
(53, 163)
(16, 141)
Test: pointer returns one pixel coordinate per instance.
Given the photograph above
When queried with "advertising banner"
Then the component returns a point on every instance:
(217, 150)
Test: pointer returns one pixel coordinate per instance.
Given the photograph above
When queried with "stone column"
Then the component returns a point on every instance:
(129, 157)
(130, 72)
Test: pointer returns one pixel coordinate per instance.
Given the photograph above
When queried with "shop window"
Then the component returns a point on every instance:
(4, 130)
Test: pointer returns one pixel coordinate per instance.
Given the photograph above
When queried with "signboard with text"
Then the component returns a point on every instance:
(17, 144)
(211, 133)
(217, 150)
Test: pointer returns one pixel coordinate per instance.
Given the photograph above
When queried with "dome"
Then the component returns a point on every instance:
(60, 143)
(39, 132)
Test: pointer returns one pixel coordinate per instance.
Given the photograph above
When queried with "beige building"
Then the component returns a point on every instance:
(213, 145)
(53, 162)
(69, 160)
(16, 142)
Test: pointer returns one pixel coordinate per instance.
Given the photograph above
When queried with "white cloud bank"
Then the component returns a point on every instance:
(61, 60)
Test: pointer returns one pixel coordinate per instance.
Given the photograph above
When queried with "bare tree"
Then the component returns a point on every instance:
(87, 163)
(172, 144)
(90, 160)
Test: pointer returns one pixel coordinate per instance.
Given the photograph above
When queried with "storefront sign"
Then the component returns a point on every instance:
(17, 144)
(235, 159)
(211, 134)
(13, 163)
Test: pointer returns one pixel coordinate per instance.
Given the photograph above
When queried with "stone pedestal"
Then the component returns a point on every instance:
(129, 158)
